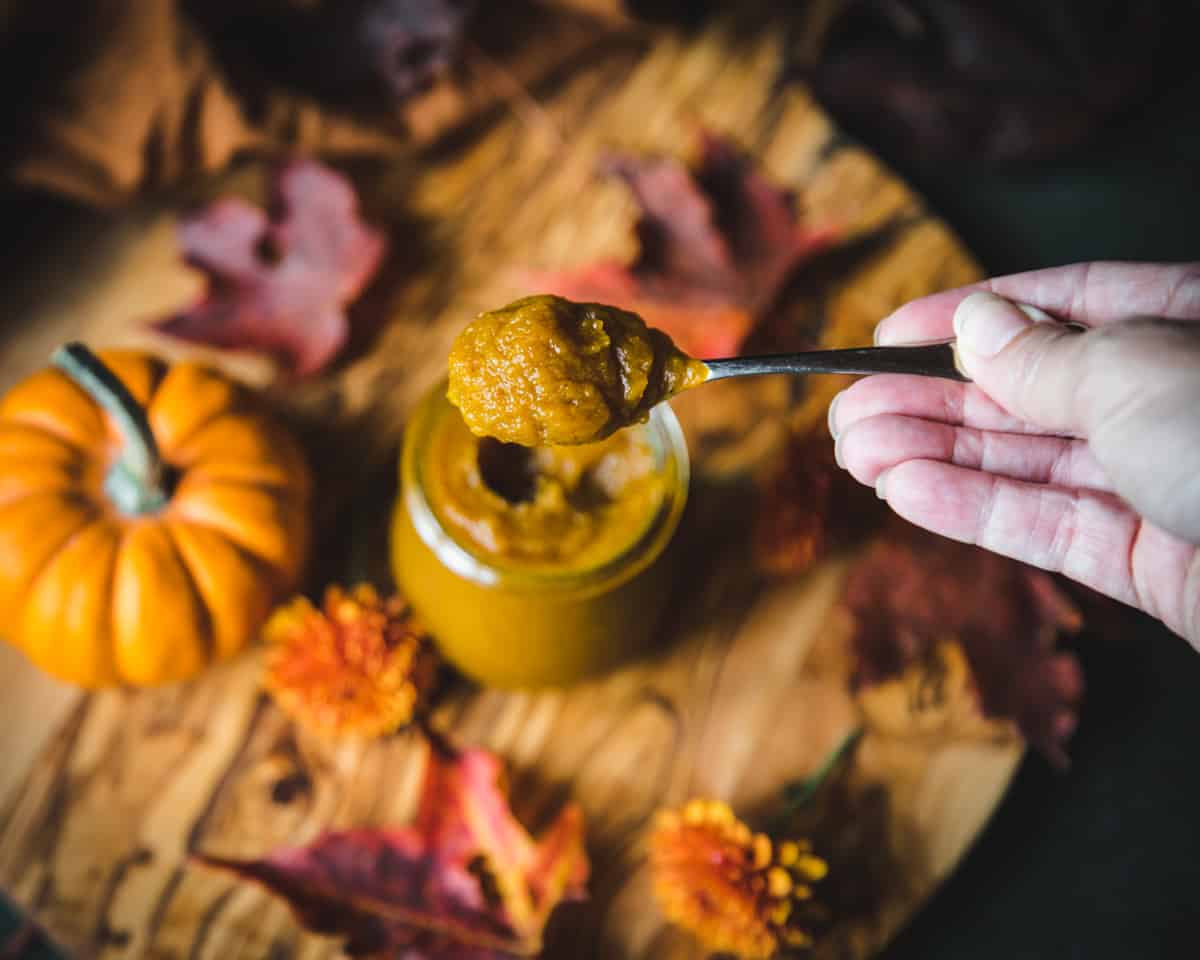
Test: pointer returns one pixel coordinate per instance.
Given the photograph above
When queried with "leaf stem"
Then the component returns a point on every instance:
(798, 793)
(438, 742)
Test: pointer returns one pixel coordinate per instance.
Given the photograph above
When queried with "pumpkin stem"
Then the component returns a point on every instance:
(135, 482)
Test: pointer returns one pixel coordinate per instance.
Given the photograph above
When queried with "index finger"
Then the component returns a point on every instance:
(1093, 294)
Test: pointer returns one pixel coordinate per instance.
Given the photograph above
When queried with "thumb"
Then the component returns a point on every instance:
(1131, 389)
(1023, 360)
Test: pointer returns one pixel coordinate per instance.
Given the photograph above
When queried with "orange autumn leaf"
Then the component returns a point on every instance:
(464, 882)
(718, 241)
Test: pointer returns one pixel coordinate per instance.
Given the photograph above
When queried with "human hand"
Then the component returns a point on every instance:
(1075, 449)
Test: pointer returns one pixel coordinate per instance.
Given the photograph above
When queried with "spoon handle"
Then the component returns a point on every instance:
(924, 360)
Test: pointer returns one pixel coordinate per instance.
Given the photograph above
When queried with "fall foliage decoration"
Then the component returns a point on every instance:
(464, 881)
(736, 890)
(359, 664)
(280, 282)
(149, 517)
(933, 698)
(912, 591)
(717, 241)
(948, 636)
(808, 507)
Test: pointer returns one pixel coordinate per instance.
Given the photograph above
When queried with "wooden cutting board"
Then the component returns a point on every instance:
(103, 796)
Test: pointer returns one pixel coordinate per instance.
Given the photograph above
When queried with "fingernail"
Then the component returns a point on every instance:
(837, 452)
(833, 415)
(881, 485)
(1036, 314)
(879, 336)
(985, 324)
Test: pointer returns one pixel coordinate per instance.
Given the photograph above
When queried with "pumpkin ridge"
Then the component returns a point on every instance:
(15, 433)
(278, 448)
(30, 420)
(74, 470)
(199, 478)
(122, 536)
(278, 574)
(62, 548)
(189, 536)
(14, 499)
(50, 401)
(165, 672)
(254, 558)
(210, 646)
(238, 409)
(93, 513)
(116, 357)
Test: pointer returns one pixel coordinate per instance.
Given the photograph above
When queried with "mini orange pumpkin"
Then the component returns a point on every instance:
(149, 517)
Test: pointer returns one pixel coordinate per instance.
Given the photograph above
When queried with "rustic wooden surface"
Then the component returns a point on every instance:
(102, 797)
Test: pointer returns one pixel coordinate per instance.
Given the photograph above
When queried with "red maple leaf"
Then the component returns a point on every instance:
(280, 283)
(809, 506)
(913, 589)
(464, 882)
(717, 243)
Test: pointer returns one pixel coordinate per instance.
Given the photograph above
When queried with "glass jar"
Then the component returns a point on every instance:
(510, 623)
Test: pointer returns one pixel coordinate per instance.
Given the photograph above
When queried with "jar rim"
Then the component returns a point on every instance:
(641, 552)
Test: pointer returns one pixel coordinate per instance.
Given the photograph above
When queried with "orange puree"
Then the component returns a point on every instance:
(545, 370)
(537, 566)
(557, 507)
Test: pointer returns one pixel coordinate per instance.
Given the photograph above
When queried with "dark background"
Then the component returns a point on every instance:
(1102, 861)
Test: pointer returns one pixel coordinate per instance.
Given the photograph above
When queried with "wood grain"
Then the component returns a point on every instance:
(102, 797)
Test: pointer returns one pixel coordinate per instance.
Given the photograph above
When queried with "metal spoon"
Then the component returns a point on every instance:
(925, 360)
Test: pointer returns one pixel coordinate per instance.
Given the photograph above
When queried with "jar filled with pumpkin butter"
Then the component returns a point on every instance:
(539, 565)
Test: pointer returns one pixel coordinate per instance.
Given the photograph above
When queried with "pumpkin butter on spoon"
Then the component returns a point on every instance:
(545, 371)
(534, 472)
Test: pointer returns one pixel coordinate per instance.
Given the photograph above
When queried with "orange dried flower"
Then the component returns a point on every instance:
(735, 890)
(359, 664)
